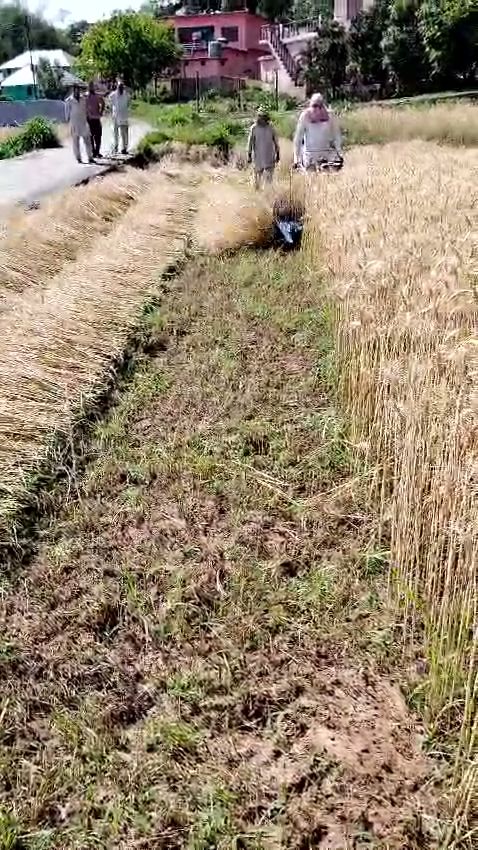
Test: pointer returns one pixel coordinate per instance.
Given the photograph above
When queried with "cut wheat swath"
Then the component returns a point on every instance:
(55, 354)
(36, 245)
(399, 230)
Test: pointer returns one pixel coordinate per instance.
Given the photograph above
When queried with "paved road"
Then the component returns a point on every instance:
(26, 179)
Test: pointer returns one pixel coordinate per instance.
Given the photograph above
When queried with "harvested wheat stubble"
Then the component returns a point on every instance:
(64, 338)
(400, 232)
(38, 244)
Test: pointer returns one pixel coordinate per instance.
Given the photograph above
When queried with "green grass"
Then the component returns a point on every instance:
(35, 134)
(218, 123)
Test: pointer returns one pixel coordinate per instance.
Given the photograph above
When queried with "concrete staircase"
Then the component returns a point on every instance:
(287, 42)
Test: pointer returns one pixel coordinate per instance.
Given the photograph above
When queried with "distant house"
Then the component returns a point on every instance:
(18, 76)
(241, 44)
(219, 44)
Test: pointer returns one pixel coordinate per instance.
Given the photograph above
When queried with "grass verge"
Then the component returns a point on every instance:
(219, 123)
(35, 134)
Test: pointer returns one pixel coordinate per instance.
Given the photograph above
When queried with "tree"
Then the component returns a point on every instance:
(405, 57)
(160, 8)
(326, 59)
(75, 33)
(134, 46)
(276, 10)
(366, 35)
(50, 79)
(450, 34)
(304, 9)
(13, 31)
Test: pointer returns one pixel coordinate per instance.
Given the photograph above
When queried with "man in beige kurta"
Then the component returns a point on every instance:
(263, 148)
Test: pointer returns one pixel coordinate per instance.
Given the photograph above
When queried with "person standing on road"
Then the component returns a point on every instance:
(75, 111)
(317, 136)
(119, 100)
(263, 148)
(95, 106)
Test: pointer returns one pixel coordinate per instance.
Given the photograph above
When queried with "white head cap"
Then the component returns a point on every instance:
(316, 99)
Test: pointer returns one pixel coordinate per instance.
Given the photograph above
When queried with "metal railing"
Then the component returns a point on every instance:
(194, 47)
(290, 29)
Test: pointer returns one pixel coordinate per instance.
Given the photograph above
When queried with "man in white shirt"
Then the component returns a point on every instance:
(119, 100)
(75, 111)
(317, 136)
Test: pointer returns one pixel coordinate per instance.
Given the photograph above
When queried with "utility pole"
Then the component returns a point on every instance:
(29, 48)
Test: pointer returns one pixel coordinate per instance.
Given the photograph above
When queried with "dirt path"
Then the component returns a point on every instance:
(24, 180)
(199, 656)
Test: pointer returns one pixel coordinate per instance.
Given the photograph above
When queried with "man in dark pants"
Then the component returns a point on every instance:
(95, 107)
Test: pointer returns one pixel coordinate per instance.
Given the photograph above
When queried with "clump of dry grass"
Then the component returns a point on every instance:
(399, 243)
(38, 244)
(8, 132)
(452, 123)
(232, 215)
(64, 337)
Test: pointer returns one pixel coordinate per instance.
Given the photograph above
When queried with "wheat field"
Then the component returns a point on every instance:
(395, 238)
(451, 123)
(396, 235)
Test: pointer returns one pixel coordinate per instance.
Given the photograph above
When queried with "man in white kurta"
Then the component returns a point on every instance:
(263, 148)
(317, 136)
(75, 111)
(119, 100)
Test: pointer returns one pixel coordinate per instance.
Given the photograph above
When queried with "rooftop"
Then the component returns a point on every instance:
(24, 77)
(55, 57)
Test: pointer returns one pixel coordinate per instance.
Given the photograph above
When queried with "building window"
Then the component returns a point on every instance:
(223, 62)
(188, 35)
(203, 62)
(230, 33)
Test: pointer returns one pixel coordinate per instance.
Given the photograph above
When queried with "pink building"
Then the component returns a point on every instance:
(238, 52)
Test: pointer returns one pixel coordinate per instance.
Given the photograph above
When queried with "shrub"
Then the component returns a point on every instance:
(36, 134)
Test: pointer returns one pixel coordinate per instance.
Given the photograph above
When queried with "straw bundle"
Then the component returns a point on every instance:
(233, 215)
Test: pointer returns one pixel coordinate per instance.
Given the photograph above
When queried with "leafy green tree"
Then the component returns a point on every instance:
(304, 9)
(276, 10)
(160, 8)
(134, 46)
(326, 60)
(405, 57)
(13, 31)
(450, 33)
(50, 80)
(366, 35)
(75, 33)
